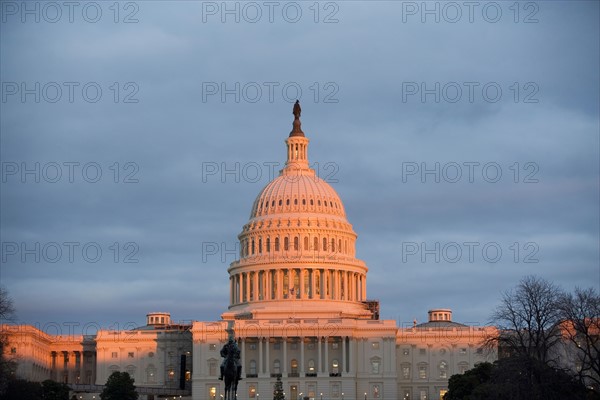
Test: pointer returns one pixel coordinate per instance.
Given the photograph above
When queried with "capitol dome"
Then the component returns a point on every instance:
(297, 251)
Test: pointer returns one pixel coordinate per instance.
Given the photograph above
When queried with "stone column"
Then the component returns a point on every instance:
(284, 344)
(260, 368)
(302, 356)
(326, 363)
(319, 363)
(343, 355)
(268, 358)
(242, 345)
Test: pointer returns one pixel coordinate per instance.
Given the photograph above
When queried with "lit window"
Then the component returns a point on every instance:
(212, 393)
(406, 371)
(405, 351)
(252, 391)
(423, 371)
(375, 391)
(335, 367)
(311, 366)
(443, 370)
(294, 366)
(212, 347)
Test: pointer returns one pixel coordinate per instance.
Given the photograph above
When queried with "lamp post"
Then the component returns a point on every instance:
(342, 395)
(321, 396)
(365, 395)
(300, 396)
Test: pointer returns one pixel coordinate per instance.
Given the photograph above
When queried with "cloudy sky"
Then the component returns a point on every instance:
(462, 138)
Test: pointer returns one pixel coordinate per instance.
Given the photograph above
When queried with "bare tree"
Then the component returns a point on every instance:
(527, 319)
(7, 314)
(7, 309)
(580, 312)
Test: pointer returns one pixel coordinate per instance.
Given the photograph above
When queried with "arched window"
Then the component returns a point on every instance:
(316, 244)
(280, 202)
(276, 244)
(252, 367)
(312, 203)
(295, 202)
(305, 242)
(287, 202)
(260, 245)
(286, 244)
(294, 366)
(252, 246)
(335, 367)
(303, 202)
(311, 367)
(296, 244)
(443, 368)
(332, 245)
(324, 244)
(151, 374)
(268, 244)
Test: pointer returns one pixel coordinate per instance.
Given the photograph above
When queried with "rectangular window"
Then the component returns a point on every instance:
(375, 345)
(115, 354)
(212, 368)
(463, 351)
(335, 390)
(277, 345)
(375, 367)
(422, 352)
(13, 350)
(406, 372)
(422, 372)
(252, 391)
(212, 347)
(376, 391)
(405, 351)
(252, 346)
(130, 354)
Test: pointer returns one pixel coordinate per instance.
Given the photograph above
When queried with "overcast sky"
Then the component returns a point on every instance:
(462, 138)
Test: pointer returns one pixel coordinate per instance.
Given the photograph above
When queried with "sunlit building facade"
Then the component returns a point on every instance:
(298, 308)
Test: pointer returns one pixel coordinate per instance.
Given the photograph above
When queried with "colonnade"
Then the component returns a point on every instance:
(317, 360)
(297, 283)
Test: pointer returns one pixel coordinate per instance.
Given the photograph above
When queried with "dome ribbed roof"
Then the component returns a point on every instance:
(300, 191)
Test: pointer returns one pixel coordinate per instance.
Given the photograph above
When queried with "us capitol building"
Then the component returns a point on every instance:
(298, 306)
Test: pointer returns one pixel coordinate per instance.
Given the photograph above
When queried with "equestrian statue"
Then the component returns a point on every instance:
(231, 368)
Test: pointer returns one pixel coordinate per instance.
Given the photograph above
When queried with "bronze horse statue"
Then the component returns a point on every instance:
(231, 377)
